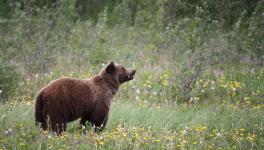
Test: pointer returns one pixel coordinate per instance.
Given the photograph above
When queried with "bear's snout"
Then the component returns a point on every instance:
(131, 74)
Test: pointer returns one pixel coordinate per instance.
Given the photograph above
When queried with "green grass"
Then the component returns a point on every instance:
(201, 123)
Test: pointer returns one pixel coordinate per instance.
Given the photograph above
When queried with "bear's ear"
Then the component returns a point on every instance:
(110, 68)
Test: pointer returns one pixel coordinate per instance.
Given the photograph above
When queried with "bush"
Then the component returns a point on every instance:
(9, 78)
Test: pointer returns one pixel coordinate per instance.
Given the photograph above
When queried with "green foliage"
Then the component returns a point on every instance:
(9, 80)
(247, 33)
(5, 9)
(99, 56)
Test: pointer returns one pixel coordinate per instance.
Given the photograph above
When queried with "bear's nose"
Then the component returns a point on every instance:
(131, 74)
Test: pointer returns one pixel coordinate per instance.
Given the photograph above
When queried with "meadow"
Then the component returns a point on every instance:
(138, 127)
(234, 121)
(199, 81)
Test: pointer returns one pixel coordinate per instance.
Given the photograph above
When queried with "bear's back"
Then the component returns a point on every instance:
(69, 96)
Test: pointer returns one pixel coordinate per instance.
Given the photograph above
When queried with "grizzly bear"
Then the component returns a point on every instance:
(65, 100)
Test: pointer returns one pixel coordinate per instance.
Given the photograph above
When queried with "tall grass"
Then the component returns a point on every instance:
(199, 126)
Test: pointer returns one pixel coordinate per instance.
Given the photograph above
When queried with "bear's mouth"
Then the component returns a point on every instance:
(132, 75)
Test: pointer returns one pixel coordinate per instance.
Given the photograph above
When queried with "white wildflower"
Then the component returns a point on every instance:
(191, 100)
(137, 91)
(218, 134)
(184, 132)
(201, 141)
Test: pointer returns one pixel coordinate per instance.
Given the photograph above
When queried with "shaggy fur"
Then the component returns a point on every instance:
(65, 100)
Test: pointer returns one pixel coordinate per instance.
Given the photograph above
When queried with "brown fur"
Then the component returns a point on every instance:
(68, 99)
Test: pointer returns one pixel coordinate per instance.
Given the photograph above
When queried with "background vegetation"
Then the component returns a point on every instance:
(199, 70)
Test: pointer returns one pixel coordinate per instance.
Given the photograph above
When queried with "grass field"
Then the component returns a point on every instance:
(137, 127)
(221, 113)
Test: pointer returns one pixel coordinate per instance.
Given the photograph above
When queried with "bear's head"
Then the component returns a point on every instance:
(118, 72)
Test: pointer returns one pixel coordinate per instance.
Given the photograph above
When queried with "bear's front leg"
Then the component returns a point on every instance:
(82, 124)
(82, 121)
(99, 122)
(100, 125)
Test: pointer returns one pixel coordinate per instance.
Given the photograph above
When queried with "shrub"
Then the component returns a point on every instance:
(9, 78)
